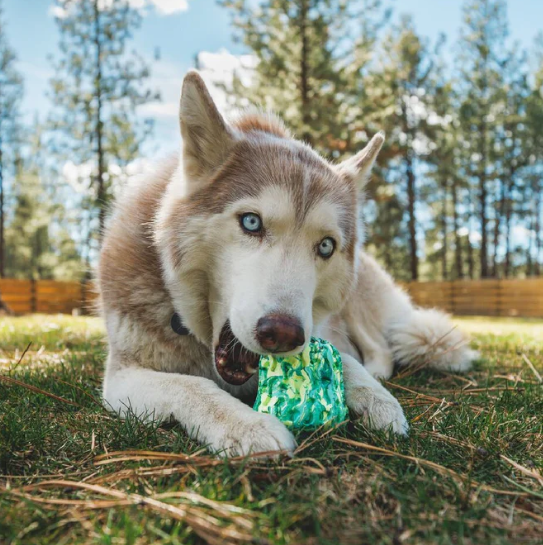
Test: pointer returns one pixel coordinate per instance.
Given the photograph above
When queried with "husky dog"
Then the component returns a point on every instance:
(249, 244)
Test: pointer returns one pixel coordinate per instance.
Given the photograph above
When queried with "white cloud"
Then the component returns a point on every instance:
(163, 7)
(167, 7)
(57, 11)
(166, 78)
(218, 69)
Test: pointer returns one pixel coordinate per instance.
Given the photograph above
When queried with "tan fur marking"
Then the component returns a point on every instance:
(259, 122)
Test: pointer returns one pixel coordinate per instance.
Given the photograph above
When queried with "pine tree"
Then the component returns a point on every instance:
(11, 91)
(384, 221)
(27, 234)
(311, 54)
(38, 244)
(403, 90)
(441, 198)
(481, 62)
(96, 90)
(511, 155)
(533, 152)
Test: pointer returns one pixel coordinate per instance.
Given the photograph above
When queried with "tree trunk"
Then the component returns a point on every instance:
(483, 195)
(444, 269)
(457, 239)
(537, 265)
(304, 71)
(411, 196)
(471, 259)
(2, 218)
(529, 250)
(3, 306)
(99, 128)
(507, 265)
(411, 199)
(500, 211)
(508, 217)
(531, 262)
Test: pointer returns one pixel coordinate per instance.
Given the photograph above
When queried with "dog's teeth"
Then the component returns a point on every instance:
(221, 361)
(250, 370)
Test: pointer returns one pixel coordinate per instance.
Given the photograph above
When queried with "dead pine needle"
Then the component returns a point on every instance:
(37, 390)
(21, 358)
(219, 523)
(532, 367)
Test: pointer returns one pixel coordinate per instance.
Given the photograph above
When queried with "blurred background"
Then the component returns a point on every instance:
(89, 94)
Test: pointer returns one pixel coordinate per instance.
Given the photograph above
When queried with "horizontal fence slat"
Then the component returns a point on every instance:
(16, 298)
(47, 296)
(491, 297)
(21, 307)
(12, 282)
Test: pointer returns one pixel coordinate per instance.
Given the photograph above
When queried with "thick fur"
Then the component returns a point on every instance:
(380, 325)
(174, 244)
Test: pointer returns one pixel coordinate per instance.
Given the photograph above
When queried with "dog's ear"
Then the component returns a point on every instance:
(359, 166)
(207, 138)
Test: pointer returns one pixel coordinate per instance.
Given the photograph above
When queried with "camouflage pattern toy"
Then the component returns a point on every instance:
(304, 391)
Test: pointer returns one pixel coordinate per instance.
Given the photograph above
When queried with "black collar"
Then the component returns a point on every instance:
(177, 325)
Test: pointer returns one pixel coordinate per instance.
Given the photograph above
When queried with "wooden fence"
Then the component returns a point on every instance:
(492, 297)
(508, 297)
(47, 296)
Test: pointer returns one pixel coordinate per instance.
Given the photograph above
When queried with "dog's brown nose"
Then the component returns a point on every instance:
(278, 333)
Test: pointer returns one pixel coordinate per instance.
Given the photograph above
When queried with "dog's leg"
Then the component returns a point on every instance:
(351, 337)
(368, 398)
(208, 413)
(378, 359)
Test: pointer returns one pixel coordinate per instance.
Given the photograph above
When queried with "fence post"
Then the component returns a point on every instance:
(499, 296)
(453, 284)
(33, 296)
(84, 296)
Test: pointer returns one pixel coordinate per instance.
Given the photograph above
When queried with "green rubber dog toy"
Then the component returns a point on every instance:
(304, 391)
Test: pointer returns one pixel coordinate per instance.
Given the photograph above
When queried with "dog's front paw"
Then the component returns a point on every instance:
(380, 368)
(378, 408)
(258, 433)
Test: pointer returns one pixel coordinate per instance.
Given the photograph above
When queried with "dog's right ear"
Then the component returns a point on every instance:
(358, 168)
(207, 138)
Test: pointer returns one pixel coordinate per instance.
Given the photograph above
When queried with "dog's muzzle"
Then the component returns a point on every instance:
(235, 364)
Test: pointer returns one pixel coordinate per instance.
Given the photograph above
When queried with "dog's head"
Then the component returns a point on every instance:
(257, 233)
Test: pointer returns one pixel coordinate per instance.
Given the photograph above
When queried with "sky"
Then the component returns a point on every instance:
(181, 29)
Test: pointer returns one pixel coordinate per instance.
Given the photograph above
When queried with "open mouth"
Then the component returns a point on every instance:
(235, 364)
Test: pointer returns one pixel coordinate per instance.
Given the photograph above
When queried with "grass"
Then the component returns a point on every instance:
(469, 472)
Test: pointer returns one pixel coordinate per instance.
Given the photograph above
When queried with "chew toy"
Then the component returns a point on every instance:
(304, 391)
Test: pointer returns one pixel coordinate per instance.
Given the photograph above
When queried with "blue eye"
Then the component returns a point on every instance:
(251, 223)
(326, 247)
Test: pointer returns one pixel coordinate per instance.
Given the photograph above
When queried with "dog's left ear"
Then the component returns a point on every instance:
(207, 138)
(358, 167)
